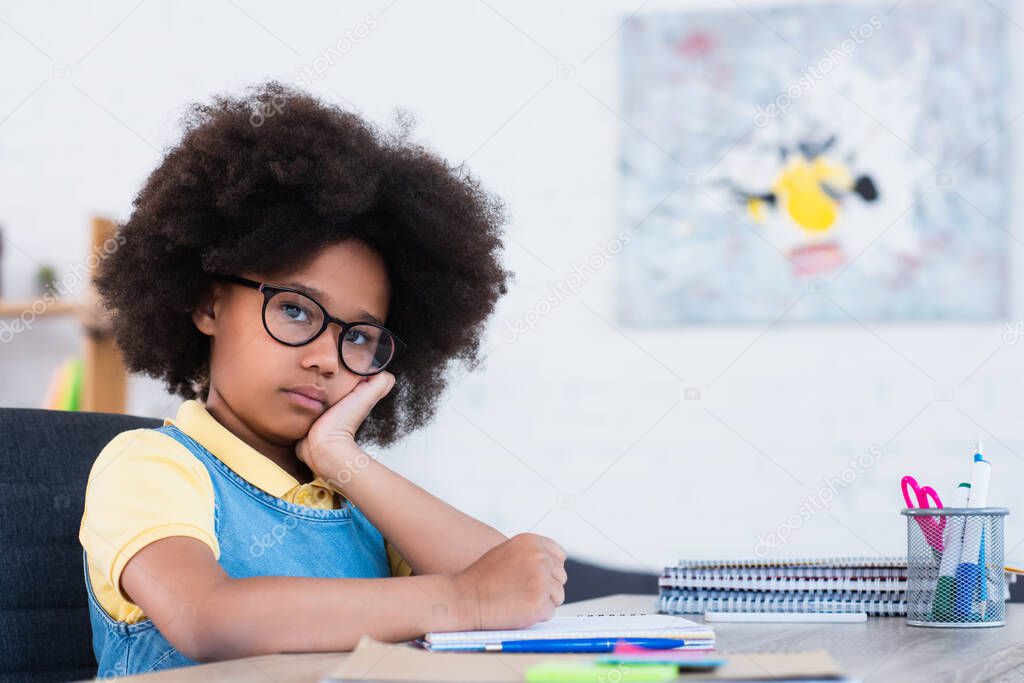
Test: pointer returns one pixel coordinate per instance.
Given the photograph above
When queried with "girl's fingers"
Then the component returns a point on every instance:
(376, 386)
(555, 549)
(387, 382)
(361, 400)
(557, 595)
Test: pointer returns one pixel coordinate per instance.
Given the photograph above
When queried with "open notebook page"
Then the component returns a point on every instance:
(589, 626)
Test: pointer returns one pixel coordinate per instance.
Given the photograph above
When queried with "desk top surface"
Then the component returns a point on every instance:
(881, 649)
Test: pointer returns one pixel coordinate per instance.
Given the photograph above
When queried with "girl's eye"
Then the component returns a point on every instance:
(295, 312)
(355, 337)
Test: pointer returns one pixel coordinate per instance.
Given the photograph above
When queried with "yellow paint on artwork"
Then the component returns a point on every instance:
(755, 207)
(800, 189)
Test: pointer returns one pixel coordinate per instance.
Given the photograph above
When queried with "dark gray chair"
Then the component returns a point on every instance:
(1017, 591)
(45, 457)
(588, 581)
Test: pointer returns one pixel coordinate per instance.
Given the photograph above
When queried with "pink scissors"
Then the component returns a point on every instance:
(931, 526)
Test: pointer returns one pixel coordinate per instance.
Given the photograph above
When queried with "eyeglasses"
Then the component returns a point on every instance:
(296, 319)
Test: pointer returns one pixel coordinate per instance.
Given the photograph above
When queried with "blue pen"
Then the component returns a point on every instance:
(581, 644)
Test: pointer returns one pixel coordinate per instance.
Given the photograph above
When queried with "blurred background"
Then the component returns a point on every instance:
(767, 257)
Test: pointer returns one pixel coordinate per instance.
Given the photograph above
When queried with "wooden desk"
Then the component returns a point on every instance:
(882, 649)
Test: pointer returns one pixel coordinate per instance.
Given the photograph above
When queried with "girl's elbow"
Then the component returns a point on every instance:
(215, 633)
(185, 636)
(220, 638)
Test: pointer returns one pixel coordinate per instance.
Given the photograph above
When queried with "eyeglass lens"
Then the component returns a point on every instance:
(294, 318)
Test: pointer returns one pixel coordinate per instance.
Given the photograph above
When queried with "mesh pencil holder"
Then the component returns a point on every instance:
(955, 567)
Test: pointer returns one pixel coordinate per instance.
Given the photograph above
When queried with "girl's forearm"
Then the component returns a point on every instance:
(432, 536)
(272, 614)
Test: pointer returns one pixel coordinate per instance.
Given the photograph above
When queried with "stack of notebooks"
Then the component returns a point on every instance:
(876, 586)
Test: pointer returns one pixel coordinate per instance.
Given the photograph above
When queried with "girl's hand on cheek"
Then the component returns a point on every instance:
(331, 439)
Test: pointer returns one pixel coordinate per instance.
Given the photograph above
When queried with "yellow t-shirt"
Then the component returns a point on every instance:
(145, 486)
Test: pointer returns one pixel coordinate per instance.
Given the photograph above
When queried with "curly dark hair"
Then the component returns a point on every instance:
(262, 182)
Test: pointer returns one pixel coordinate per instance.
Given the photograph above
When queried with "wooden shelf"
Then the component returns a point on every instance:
(15, 309)
(105, 380)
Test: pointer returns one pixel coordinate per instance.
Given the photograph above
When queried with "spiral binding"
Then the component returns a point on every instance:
(674, 601)
(819, 562)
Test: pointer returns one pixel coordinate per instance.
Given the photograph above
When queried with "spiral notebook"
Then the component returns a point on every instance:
(874, 585)
(829, 564)
(611, 626)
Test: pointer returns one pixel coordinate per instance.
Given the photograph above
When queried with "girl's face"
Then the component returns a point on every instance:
(262, 381)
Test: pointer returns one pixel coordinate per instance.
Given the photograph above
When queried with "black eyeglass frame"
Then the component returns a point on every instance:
(269, 291)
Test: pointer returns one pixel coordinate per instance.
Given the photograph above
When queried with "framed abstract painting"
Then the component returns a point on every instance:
(826, 162)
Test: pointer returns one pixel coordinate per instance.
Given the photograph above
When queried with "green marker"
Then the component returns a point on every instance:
(560, 671)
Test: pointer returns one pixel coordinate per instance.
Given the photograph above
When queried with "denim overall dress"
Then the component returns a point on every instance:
(259, 535)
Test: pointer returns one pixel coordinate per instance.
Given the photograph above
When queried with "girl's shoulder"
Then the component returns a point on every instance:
(145, 447)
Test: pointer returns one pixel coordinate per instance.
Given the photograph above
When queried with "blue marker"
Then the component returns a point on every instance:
(581, 644)
(971, 573)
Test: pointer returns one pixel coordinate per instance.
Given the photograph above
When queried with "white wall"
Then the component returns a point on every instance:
(581, 429)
